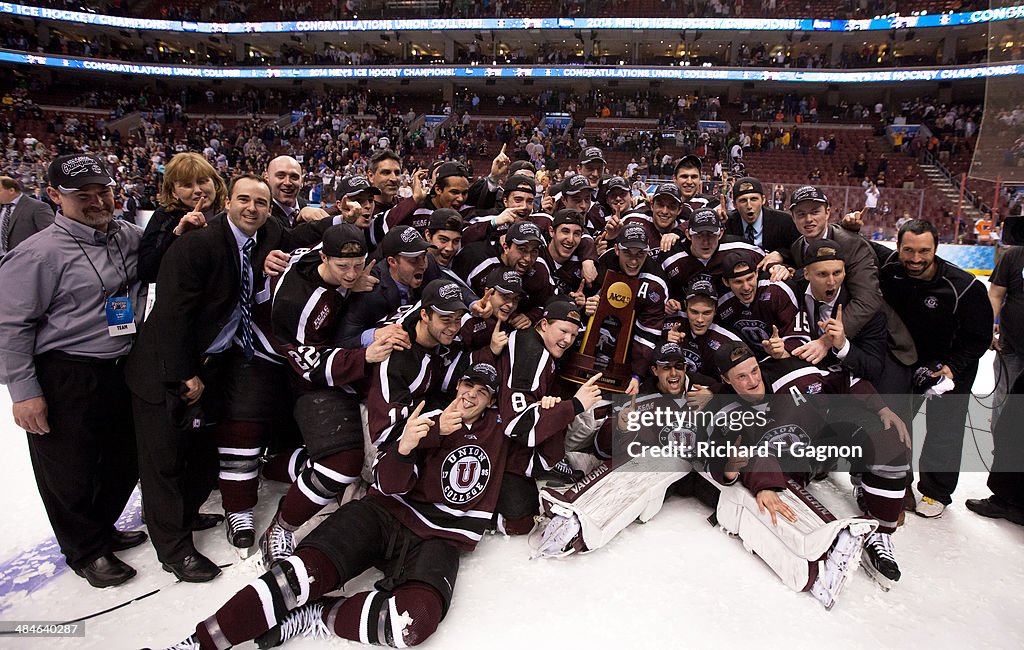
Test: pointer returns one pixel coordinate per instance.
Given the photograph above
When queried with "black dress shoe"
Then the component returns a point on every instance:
(122, 540)
(996, 508)
(106, 571)
(204, 521)
(194, 567)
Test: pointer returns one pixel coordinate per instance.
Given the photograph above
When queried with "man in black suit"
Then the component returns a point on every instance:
(21, 216)
(284, 176)
(771, 230)
(185, 369)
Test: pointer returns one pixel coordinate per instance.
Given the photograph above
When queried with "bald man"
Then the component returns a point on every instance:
(284, 175)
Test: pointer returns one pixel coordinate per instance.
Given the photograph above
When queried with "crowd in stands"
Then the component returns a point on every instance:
(238, 10)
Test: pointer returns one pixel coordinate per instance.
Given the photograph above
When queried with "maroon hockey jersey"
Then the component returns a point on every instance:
(773, 304)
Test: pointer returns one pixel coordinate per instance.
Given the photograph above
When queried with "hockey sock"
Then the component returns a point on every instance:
(404, 618)
(517, 526)
(884, 499)
(285, 468)
(304, 577)
(318, 484)
(238, 449)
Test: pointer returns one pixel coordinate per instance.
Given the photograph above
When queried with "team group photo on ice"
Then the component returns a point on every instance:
(347, 356)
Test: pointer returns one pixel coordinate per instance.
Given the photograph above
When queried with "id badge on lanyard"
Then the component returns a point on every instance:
(120, 316)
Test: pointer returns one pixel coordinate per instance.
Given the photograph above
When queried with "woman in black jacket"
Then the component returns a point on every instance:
(192, 192)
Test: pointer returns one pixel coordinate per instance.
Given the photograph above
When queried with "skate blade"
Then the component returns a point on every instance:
(885, 584)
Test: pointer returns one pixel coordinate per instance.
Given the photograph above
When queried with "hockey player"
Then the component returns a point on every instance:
(307, 308)
(435, 490)
(529, 384)
(449, 190)
(563, 255)
(768, 429)
(762, 312)
(696, 332)
(703, 251)
(661, 220)
(629, 485)
(629, 257)
(518, 249)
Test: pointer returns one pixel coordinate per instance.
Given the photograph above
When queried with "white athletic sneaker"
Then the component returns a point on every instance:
(929, 507)
(278, 543)
(306, 620)
(842, 561)
(191, 643)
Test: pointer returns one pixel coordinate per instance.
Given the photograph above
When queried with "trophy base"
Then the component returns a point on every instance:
(615, 377)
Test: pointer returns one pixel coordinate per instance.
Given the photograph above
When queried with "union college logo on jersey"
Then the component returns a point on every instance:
(464, 474)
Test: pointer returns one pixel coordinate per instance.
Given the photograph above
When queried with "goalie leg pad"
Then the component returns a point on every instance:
(792, 550)
(607, 500)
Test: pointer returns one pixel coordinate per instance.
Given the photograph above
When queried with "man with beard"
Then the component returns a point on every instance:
(949, 315)
(63, 364)
(519, 250)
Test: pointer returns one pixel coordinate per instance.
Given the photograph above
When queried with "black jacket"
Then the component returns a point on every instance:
(779, 231)
(197, 291)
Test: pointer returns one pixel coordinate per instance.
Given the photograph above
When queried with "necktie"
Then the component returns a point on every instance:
(8, 208)
(750, 233)
(245, 301)
(817, 317)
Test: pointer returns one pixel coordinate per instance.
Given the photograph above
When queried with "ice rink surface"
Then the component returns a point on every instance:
(675, 582)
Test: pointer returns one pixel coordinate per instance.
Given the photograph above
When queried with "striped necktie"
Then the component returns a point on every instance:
(245, 301)
(5, 228)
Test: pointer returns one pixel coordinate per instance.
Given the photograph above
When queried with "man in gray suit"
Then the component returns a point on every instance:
(21, 216)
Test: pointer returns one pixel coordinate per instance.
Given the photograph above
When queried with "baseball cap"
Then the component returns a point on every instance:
(482, 374)
(521, 166)
(591, 154)
(616, 183)
(705, 220)
(405, 241)
(559, 309)
(576, 184)
(634, 235)
(670, 190)
(701, 286)
(731, 262)
(520, 183)
(522, 232)
(75, 171)
(337, 237)
(688, 161)
(669, 353)
(444, 170)
(731, 354)
(445, 219)
(807, 193)
(504, 280)
(353, 185)
(746, 185)
(566, 216)
(822, 250)
(444, 297)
